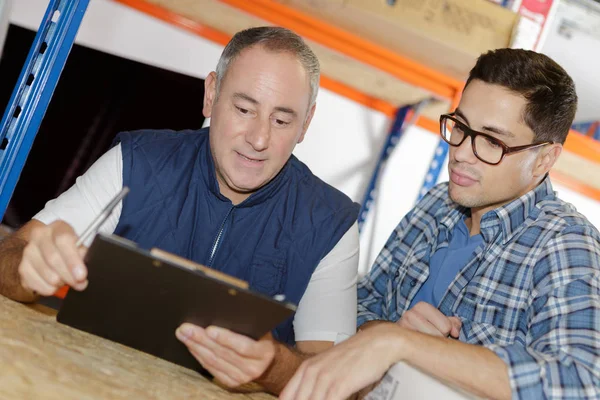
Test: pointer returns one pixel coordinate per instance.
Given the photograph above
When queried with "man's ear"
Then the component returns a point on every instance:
(546, 159)
(309, 117)
(210, 94)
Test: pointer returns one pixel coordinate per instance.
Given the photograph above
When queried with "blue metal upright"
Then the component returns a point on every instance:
(398, 128)
(435, 168)
(391, 141)
(34, 89)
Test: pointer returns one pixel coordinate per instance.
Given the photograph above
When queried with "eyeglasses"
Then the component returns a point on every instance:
(485, 147)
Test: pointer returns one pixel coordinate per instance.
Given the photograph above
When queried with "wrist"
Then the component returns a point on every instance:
(390, 340)
(405, 344)
(266, 375)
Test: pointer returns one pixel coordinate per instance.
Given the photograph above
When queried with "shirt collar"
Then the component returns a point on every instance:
(510, 218)
(506, 220)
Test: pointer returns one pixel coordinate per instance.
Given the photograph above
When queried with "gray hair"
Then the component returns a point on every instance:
(274, 39)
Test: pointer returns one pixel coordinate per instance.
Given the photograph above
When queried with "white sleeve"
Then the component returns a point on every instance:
(327, 311)
(92, 191)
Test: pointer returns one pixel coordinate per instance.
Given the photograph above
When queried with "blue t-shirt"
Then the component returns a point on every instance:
(446, 263)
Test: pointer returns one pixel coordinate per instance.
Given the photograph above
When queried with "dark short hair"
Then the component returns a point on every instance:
(548, 89)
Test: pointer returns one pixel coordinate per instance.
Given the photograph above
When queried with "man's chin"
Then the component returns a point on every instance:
(462, 199)
(248, 187)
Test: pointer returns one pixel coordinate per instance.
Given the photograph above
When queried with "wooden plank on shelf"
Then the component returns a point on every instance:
(447, 36)
(352, 45)
(344, 69)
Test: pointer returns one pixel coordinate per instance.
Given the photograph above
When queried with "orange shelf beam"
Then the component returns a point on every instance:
(178, 20)
(584, 146)
(353, 94)
(578, 186)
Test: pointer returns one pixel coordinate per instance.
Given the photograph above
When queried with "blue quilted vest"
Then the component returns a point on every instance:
(274, 239)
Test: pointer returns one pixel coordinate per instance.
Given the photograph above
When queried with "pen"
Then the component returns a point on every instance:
(103, 216)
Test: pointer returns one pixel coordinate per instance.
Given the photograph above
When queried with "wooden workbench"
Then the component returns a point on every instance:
(42, 359)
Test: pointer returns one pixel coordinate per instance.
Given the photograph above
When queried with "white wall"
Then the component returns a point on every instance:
(344, 138)
(574, 42)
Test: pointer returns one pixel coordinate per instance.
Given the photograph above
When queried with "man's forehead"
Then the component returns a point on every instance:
(261, 58)
(275, 89)
(493, 108)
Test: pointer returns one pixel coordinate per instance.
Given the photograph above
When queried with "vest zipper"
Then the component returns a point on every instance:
(218, 239)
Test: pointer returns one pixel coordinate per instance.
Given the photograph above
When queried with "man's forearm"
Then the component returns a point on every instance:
(11, 252)
(283, 367)
(473, 368)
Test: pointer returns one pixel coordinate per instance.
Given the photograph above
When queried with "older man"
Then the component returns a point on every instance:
(232, 197)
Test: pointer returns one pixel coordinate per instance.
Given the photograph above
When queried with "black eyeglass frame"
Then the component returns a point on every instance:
(468, 132)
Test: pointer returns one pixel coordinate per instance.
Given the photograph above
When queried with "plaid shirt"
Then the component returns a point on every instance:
(531, 292)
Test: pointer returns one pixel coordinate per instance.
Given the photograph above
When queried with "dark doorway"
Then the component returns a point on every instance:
(98, 95)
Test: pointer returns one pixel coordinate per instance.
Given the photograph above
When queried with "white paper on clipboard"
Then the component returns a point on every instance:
(403, 382)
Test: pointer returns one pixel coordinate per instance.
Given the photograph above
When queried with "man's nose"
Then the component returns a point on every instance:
(464, 152)
(259, 136)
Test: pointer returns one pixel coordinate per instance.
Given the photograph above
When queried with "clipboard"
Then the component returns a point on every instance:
(139, 298)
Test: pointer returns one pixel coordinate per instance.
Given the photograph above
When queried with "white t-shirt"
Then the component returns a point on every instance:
(326, 312)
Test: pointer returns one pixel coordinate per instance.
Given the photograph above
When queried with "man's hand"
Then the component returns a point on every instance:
(51, 259)
(232, 359)
(347, 367)
(425, 318)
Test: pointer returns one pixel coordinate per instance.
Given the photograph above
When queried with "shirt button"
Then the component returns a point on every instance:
(413, 283)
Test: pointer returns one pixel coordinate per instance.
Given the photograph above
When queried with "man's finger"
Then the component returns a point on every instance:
(456, 326)
(206, 358)
(435, 317)
(195, 338)
(222, 370)
(33, 258)
(242, 345)
(82, 251)
(251, 368)
(65, 243)
(53, 259)
(31, 280)
(415, 321)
